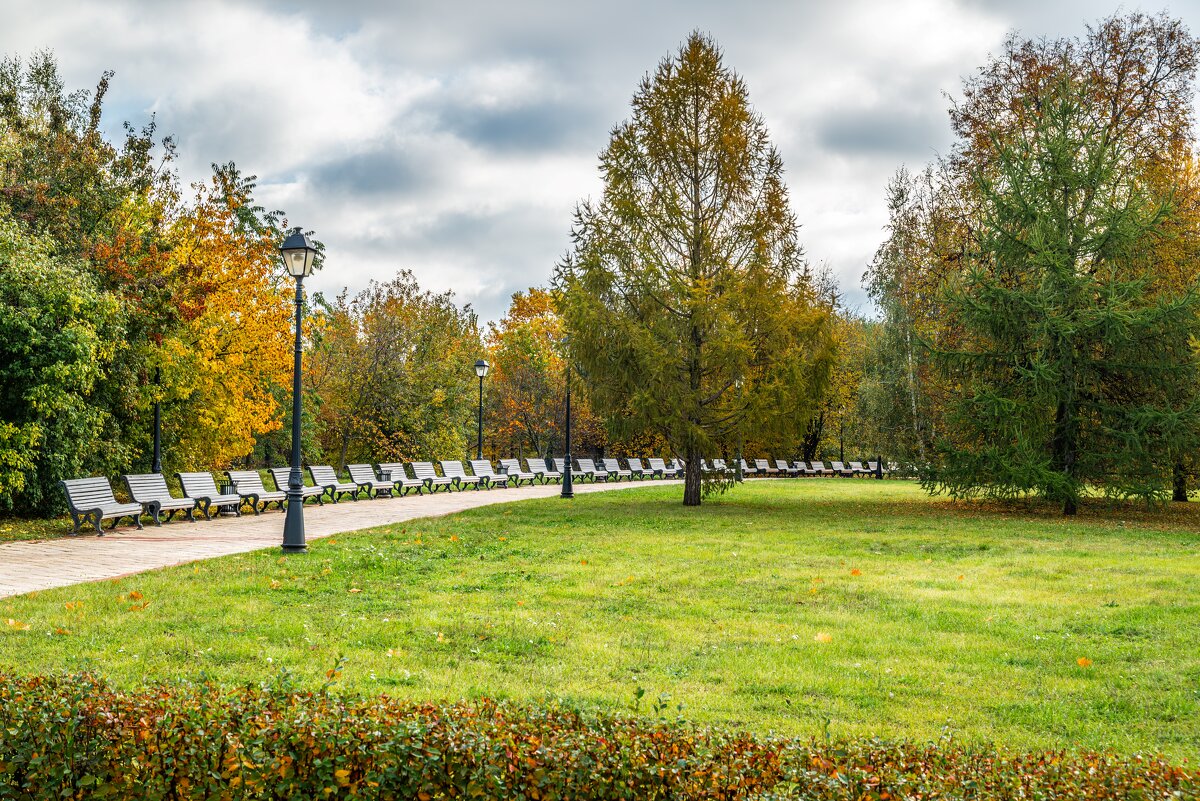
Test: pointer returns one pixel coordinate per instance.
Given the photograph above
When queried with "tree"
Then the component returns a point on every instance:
(687, 277)
(58, 335)
(1071, 334)
(393, 370)
(526, 386)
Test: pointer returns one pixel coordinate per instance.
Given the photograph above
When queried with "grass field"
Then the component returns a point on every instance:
(810, 607)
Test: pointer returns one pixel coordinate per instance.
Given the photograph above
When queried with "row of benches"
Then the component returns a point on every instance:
(91, 500)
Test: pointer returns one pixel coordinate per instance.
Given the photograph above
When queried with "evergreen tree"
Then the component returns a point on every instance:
(1076, 365)
(686, 297)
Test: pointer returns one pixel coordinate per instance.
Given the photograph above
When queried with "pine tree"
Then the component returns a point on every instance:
(1076, 367)
(686, 297)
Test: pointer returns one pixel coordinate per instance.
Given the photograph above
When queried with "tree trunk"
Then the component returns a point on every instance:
(1179, 480)
(1065, 449)
(692, 478)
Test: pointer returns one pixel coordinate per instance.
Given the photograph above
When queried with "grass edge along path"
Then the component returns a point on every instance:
(852, 609)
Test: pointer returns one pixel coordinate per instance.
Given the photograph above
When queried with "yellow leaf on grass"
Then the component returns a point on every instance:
(327, 571)
(1083, 662)
(960, 578)
(17, 625)
(856, 572)
(274, 584)
(441, 637)
(135, 596)
(61, 632)
(823, 636)
(454, 538)
(353, 590)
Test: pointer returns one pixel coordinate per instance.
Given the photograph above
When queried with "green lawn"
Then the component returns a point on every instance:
(852, 607)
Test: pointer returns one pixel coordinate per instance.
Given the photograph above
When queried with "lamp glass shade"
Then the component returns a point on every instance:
(481, 368)
(299, 254)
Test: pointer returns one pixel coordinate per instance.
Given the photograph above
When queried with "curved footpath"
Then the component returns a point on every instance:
(44, 564)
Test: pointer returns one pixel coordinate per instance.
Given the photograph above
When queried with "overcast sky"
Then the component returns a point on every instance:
(455, 138)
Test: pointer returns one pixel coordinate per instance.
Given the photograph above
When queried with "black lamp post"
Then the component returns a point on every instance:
(568, 491)
(481, 368)
(156, 467)
(298, 257)
(737, 467)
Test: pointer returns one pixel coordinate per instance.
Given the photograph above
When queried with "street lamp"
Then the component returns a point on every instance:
(568, 490)
(737, 465)
(481, 368)
(298, 253)
(156, 467)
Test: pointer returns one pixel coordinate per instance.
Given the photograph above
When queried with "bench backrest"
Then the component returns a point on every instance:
(196, 485)
(395, 468)
(783, 465)
(362, 473)
(423, 470)
(657, 464)
(856, 466)
(452, 468)
(146, 487)
(612, 465)
(762, 464)
(512, 467)
(838, 467)
(719, 464)
(538, 465)
(482, 467)
(873, 466)
(86, 493)
(635, 465)
(818, 467)
(588, 466)
(246, 482)
(282, 476)
(747, 468)
(323, 475)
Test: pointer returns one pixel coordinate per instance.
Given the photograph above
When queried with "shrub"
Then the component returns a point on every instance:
(76, 737)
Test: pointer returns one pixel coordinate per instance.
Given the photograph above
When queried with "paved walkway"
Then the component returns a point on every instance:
(43, 564)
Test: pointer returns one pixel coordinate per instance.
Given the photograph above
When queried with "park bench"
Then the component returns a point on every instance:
(453, 469)
(513, 468)
(678, 465)
(400, 479)
(857, 469)
(325, 477)
(636, 470)
(747, 470)
(786, 469)
(150, 490)
(544, 472)
(819, 469)
(660, 468)
(203, 488)
(840, 469)
(93, 499)
(614, 469)
(874, 469)
(802, 468)
(282, 476)
(764, 467)
(363, 475)
(249, 487)
(482, 468)
(590, 469)
(719, 466)
(576, 475)
(425, 472)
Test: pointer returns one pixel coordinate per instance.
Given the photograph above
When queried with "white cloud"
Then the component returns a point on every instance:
(455, 139)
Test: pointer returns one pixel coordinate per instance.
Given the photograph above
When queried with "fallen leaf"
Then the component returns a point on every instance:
(823, 636)
(135, 596)
(274, 584)
(441, 637)
(583, 562)
(960, 578)
(1083, 662)
(454, 538)
(61, 632)
(327, 571)
(520, 603)
(502, 539)
(17, 625)
(856, 572)
(354, 590)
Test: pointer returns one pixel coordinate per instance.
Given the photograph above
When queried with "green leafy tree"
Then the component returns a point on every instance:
(1077, 365)
(58, 335)
(392, 367)
(687, 278)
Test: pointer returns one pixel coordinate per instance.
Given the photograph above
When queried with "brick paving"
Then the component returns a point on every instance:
(44, 564)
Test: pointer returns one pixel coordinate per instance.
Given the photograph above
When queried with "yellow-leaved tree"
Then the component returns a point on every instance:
(233, 346)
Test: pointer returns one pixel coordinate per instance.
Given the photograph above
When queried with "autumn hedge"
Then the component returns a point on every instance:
(75, 737)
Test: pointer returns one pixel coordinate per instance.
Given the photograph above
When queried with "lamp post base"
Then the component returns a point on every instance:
(293, 525)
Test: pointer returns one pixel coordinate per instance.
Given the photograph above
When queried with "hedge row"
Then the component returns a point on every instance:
(76, 738)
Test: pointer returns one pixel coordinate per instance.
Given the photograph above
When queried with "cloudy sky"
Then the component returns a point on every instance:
(454, 138)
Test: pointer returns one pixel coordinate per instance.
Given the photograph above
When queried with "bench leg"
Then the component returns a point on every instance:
(205, 507)
(191, 515)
